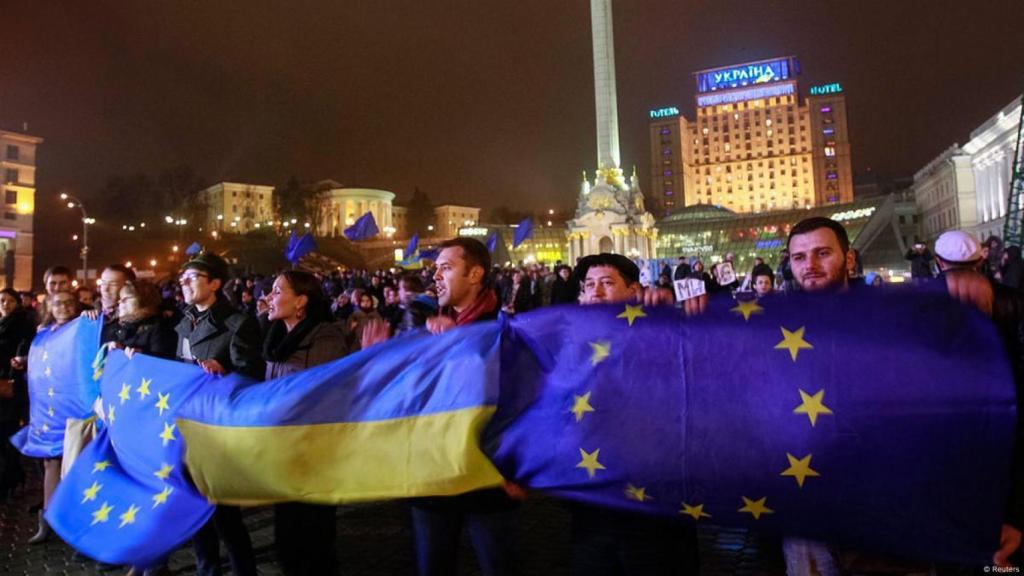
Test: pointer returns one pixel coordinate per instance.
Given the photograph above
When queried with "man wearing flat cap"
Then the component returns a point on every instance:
(220, 340)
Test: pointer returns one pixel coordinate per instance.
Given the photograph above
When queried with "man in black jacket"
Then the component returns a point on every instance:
(221, 340)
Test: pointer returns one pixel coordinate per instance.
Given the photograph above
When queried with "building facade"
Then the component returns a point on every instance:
(945, 195)
(449, 218)
(236, 208)
(991, 148)
(18, 165)
(753, 146)
(339, 208)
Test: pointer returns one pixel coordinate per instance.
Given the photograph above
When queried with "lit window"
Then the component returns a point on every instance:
(666, 130)
(830, 151)
(705, 131)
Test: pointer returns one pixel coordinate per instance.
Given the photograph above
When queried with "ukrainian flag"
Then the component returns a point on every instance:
(394, 421)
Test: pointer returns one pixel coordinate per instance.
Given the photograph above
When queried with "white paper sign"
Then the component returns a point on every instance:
(689, 288)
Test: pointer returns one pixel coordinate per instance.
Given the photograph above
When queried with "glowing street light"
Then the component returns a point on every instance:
(86, 221)
(152, 263)
(169, 219)
(128, 264)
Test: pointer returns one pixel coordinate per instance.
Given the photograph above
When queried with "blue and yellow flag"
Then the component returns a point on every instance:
(126, 499)
(60, 385)
(879, 423)
(393, 421)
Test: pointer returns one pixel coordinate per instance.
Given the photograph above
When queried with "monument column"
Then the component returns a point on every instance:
(604, 84)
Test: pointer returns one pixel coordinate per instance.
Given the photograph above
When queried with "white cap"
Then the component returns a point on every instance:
(957, 247)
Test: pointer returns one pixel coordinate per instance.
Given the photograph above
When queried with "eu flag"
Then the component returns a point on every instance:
(126, 499)
(193, 249)
(878, 423)
(524, 231)
(365, 227)
(492, 242)
(299, 248)
(413, 246)
(60, 385)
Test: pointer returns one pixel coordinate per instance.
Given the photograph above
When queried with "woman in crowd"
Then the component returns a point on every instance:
(141, 326)
(566, 288)
(62, 308)
(303, 334)
(16, 333)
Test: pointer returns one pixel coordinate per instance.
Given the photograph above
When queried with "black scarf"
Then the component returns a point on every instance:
(280, 344)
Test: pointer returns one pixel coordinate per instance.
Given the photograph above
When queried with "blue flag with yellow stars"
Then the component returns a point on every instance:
(126, 499)
(877, 423)
(60, 385)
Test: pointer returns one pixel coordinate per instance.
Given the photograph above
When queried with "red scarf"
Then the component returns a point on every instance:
(485, 303)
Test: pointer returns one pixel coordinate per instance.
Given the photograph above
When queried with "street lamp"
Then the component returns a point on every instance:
(72, 203)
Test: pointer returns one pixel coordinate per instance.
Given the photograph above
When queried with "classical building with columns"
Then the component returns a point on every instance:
(991, 148)
(610, 214)
(340, 207)
(945, 195)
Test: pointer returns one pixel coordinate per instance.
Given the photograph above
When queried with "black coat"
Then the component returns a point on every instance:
(150, 336)
(565, 292)
(223, 334)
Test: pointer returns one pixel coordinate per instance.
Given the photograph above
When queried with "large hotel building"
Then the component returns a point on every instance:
(753, 147)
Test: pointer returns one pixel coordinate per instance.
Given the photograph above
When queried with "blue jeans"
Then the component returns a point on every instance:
(226, 525)
(436, 529)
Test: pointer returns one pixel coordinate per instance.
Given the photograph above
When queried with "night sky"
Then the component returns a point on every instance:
(484, 102)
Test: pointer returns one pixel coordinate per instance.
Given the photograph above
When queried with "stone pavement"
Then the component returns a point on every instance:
(376, 539)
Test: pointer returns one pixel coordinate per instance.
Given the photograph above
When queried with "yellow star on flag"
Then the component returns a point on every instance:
(799, 469)
(143, 389)
(164, 472)
(102, 515)
(100, 466)
(812, 405)
(632, 313)
(589, 462)
(49, 391)
(755, 507)
(46, 355)
(110, 414)
(601, 350)
(747, 308)
(50, 411)
(161, 498)
(161, 404)
(91, 492)
(697, 512)
(581, 406)
(48, 372)
(125, 394)
(46, 427)
(794, 342)
(168, 434)
(129, 516)
(639, 494)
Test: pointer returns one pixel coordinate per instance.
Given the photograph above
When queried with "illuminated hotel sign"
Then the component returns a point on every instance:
(824, 89)
(753, 93)
(472, 231)
(665, 112)
(743, 75)
(853, 214)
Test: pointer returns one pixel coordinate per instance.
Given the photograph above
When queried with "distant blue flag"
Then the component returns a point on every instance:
(365, 227)
(292, 241)
(301, 247)
(523, 232)
(492, 242)
(60, 385)
(193, 249)
(413, 245)
(430, 254)
(126, 499)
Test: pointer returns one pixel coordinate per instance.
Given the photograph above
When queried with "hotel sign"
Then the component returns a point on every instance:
(664, 113)
(743, 75)
(834, 88)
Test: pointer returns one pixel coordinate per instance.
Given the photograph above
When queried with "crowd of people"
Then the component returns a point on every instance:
(269, 326)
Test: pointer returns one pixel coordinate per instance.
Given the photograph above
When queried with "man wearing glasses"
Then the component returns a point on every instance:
(221, 340)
